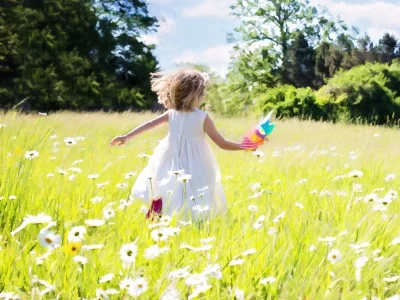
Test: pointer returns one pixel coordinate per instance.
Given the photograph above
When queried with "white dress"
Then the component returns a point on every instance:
(184, 148)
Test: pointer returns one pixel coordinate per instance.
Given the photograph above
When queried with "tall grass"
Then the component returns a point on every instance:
(297, 174)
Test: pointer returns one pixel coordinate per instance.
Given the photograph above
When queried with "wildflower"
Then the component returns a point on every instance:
(62, 172)
(213, 270)
(80, 138)
(160, 235)
(184, 177)
(371, 198)
(76, 234)
(255, 186)
(199, 289)
(236, 262)
(101, 294)
(92, 247)
(299, 205)
(49, 239)
(12, 197)
(357, 187)
(94, 223)
(73, 248)
(179, 273)
(128, 253)
(355, 174)
(395, 241)
(301, 181)
(69, 141)
(9, 295)
(170, 294)
(93, 176)
(183, 223)
(143, 155)
(50, 175)
(325, 193)
(252, 208)
(31, 154)
(154, 251)
(96, 199)
(121, 185)
(3, 125)
(196, 279)
(106, 278)
(390, 177)
(379, 207)
(201, 208)
(176, 172)
(38, 219)
(272, 231)
(334, 256)
(391, 194)
(108, 212)
(267, 280)
(391, 279)
(258, 153)
(80, 260)
(129, 175)
(312, 248)
(249, 252)
(101, 185)
(111, 292)
(72, 177)
(278, 217)
(138, 287)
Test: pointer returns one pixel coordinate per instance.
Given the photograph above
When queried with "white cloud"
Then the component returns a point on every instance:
(217, 57)
(210, 8)
(166, 25)
(374, 17)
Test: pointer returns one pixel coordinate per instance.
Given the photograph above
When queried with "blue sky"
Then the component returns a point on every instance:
(196, 30)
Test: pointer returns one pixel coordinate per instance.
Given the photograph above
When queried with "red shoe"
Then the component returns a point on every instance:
(155, 209)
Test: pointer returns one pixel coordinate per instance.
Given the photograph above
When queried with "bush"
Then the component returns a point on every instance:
(368, 93)
(289, 102)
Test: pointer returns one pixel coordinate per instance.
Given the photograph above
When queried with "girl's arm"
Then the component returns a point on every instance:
(120, 140)
(217, 138)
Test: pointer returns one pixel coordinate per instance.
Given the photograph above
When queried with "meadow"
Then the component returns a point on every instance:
(315, 215)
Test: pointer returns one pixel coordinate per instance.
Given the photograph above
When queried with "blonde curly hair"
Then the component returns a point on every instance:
(182, 90)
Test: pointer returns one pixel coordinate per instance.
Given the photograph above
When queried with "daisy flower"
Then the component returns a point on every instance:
(138, 287)
(93, 176)
(76, 234)
(62, 172)
(106, 278)
(334, 256)
(31, 154)
(236, 262)
(355, 174)
(390, 177)
(129, 175)
(49, 239)
(73, 248)
(128, 253)
(258, 153)
(179, 273)
(252, 208)
(154, 251)
(122, 185)
(108, 212)
(80, 260)
(96, 199)
(267, 280)
(94, 223)
(184, 177)
(196, 279)
(69, 141)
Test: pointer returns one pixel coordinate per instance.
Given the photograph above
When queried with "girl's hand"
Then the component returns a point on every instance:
(119, 140)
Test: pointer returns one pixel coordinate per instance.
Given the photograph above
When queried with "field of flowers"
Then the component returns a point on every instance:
(315, 215)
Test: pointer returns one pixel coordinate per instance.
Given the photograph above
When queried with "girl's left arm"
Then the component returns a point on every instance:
(120, 140)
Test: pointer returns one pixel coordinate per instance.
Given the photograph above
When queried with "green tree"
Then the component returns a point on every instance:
(73, 55)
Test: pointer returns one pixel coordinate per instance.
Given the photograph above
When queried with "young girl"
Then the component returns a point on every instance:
(182, 176)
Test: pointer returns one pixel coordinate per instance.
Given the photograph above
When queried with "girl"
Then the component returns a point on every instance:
(182, 175)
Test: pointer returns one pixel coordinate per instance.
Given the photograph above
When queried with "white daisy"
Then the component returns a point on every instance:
(129, 175)
(334, 256)
(249, 252)
(102, 185)
(62, 172)
(122, 185)
(108, 212)
(76, 234)
(278, 217)
(391, 279)
(196, 279)
(199, 289)
(252, 208)
(138, 287)
(371, 198)
(31, 154)
(299, 205)
(213, 270)
(236, 262)
(80, 259)
(128, 253)
(312, 248)
(69, 141)
(170, 294)
(267, 280)
(49, 239)
(154, 251)
(355, 174)
(179, 273)
(238, 293)
(94, 222)
(12, 197)
(106, 278)
(255, 186)
(184, 177)
(160, 234)
(272, 231)
(390, 177)
(93, 176)
(302, 181)
(258, 153)
(96, 199)
(201, 208)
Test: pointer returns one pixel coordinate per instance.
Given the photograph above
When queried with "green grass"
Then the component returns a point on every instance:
(297, 150)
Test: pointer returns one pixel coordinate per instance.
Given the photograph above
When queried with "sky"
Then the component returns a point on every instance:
(196, 30)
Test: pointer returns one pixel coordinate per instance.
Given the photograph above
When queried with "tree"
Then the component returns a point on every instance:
(73, 55)
(276, 23)
(387, 46)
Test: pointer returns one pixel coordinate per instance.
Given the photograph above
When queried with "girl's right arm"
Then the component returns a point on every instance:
(120, 140)
(217, 138)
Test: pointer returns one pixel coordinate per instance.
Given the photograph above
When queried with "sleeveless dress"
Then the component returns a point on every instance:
(184, 149)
